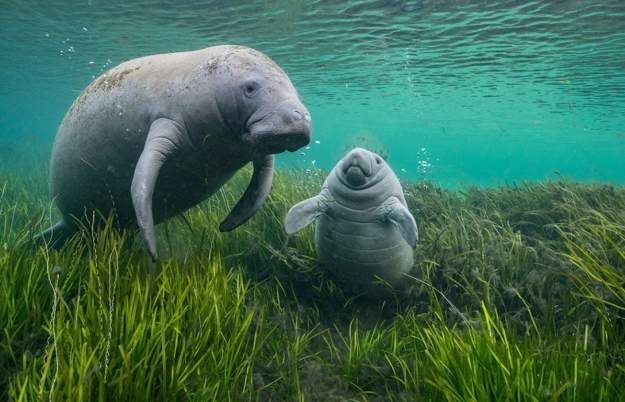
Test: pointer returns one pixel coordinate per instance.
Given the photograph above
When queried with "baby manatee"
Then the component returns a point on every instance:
(364, 232)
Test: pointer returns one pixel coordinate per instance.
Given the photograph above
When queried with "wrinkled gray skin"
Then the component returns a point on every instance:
(364, 232)
(156, 135)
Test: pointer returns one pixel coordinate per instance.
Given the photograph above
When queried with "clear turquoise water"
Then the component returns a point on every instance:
(457, 92)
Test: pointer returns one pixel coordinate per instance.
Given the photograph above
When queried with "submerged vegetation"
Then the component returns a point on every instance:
(517, 294)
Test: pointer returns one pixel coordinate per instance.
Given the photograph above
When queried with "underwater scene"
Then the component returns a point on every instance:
(372, 200)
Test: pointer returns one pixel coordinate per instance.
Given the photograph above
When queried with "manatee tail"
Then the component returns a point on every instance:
(55, 236)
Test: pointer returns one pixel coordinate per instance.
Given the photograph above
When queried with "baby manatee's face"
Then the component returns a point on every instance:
(361, 169)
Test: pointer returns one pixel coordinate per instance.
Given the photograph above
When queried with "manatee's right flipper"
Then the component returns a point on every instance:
(254, 196)
(55, 236)
(165, 139)
(304, 212)
(394, 211)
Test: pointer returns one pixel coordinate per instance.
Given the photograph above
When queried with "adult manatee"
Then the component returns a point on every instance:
(156, 135)
(364, 232)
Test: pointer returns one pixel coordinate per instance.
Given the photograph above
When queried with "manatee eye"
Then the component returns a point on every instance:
(250, 88)
(378, 160)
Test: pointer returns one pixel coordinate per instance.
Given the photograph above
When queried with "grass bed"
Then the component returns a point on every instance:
(516, 294)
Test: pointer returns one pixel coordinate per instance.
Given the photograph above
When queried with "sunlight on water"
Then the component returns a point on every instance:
(452, 91)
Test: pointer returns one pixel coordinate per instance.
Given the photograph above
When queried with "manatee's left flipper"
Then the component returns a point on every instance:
(394, 211)
(254, 196)
(305, 212)
(55, 236)
(165, 139)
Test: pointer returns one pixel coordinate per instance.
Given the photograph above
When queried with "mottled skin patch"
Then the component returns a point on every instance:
(110, 80)
(106, 82)
(212, 65)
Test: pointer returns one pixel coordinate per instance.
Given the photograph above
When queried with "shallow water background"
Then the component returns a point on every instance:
(458, 92)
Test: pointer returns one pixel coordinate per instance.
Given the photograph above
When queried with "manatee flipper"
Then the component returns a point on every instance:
(164, 140)
(397, 213)
(254, 196)
(55, 236)
(303, 213)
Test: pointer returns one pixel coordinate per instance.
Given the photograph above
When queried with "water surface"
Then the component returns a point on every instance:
(458, 92)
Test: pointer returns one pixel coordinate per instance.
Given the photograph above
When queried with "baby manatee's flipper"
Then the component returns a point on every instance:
(394, 211)
(254, 196)
(165, 139)
(55, 236)
(304, 212)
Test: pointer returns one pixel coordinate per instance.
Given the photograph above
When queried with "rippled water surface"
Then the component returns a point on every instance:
(452, 91)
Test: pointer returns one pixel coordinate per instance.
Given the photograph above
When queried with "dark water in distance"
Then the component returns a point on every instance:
(459, 92)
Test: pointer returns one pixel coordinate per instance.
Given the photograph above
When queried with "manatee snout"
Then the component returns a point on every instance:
(287, 127)
(297, 124)
(357, 166)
